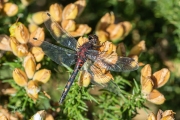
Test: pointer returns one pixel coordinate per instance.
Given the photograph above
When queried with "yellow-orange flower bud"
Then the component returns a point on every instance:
(21, 33)
(38, 53)
(32, 90)
(161, 77)
(156, 97)
(32, 27)
(84, 78)
(42, 76)
(4, 43)
(137, 49)
(37, 17)
(56, 12)
(81, 5)
(68, 25)
(147, 86)
(37, 37)
(20, 77)
(10, 9)
(70, 11)
(145, 72)
(29, 65)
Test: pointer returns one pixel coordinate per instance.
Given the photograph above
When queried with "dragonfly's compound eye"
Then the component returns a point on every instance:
(93, 39)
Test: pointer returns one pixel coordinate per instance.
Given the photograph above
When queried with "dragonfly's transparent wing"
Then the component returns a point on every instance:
(98, 77)
(112, 62)
(58, 54)
(58, 32)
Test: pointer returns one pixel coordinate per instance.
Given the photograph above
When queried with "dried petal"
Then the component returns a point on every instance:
(102, 35)
(137, 49)
(121, 50)
(81, 41)
(156, 97)
(115, 31)
(168, 118)
(37, 17)
(38, 53)
(127, 27)
(22, 50)
(10, 9)
(21, 33)
(42, 76)
(29, 65)
(56, 12)
(84, 78)
(81, 5)
(145, 72)
(151, 116)
(3, 117)
(40, 115)
(32, 90)
(108, 47)
(168, 113)
(68, 25)
(38, 66)
(32, 27)
(70, 11)
(37, 37)
(159, 114)
(147, 86)
(4, 43)
(81, 30)
(13, 44)
(20, 77)
(161, 77)
(105, 21)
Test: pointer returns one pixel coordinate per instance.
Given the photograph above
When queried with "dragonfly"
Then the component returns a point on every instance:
(86, 57)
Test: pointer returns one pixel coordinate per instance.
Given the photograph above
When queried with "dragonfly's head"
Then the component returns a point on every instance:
(93, 39)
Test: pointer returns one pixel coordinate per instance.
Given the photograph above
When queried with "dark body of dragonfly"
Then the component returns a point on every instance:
(70, 54)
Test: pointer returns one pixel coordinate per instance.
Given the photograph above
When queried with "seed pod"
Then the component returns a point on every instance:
(56, 12)
(29, 65)
(42, 76)
(84, 79)
(21, 33)
(161, 77)
(20, 77)
(105, 21)
(37, 37)
(70, 11)
(156, 97)
(10, 9)
(38, 53)
(32, 90)
(37, 17)
(115, 31)
(137, 49)
(68, 25)
(4, 43)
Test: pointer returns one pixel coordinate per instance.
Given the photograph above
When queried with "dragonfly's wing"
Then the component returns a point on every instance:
(103, 79)
(112, 62)
(58, 54)
(58, 32)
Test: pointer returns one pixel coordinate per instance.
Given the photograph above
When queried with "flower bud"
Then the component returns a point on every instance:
(70, 11)
(161, 77)
(38, 53)
(37, 37)
(56, 12)
(10, 9)
(151, 116)
(20, 77)
(29, 65)
(147, 86)
(4, 43)
(42, 76)
(37, 17)
(81, 5)
(32, 90)
(145, 72)
(137, 49)
(84, 79)
(105, 21)
(156, 97)
(102, 35)
(21, 33)
(68, 25)
(115, 31)
(32, 27)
